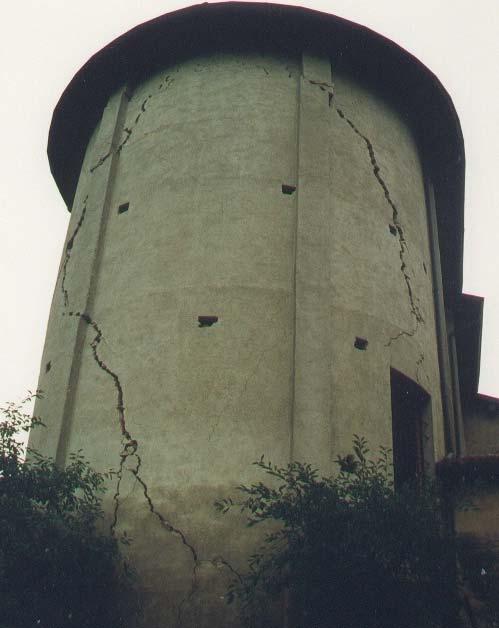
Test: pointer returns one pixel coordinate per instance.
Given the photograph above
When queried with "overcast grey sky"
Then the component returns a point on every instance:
(44, 42)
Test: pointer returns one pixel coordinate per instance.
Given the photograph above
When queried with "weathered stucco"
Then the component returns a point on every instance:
(200, 151)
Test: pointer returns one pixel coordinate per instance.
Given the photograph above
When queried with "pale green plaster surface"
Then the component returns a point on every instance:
(200, 153)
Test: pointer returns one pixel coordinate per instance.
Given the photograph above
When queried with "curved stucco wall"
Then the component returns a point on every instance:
(200, 152)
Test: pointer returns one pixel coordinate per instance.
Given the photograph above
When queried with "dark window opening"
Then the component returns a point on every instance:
(393, 229)
(48, 366)
(411, 429)
(123, 208)
(360, 343)
(288, 189)
(207, 321)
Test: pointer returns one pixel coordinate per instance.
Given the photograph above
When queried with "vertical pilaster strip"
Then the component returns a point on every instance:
(295, 245)
(113, 123)
(440, 320)
(312, 357)
(456, 389)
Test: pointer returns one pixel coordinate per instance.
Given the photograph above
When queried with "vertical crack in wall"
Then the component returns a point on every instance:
(128, 133)
(419, 365)
(130, 450)
(68, 250)
(164, 85)
(324, 86)
(129, 445)
(414, 307)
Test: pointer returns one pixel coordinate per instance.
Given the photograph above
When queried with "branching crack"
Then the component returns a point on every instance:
(324, 86)
(166, 83)
(129, 445)
(415, 309)
(127, 132)
(164, 522)
(130, 451)
(69, 248)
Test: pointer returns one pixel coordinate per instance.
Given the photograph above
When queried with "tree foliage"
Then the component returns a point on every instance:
(56, 569)
(348, 551)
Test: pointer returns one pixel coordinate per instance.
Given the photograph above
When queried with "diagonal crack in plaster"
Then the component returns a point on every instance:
(166, 83)
(324, 86)
(69, 248)
(414, 307)
(130, 447)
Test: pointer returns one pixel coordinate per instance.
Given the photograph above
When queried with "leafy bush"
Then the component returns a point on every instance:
(348, 551)
(56, 569)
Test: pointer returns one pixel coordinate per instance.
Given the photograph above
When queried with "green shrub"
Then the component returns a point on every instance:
(56, 569)
(348, 551)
